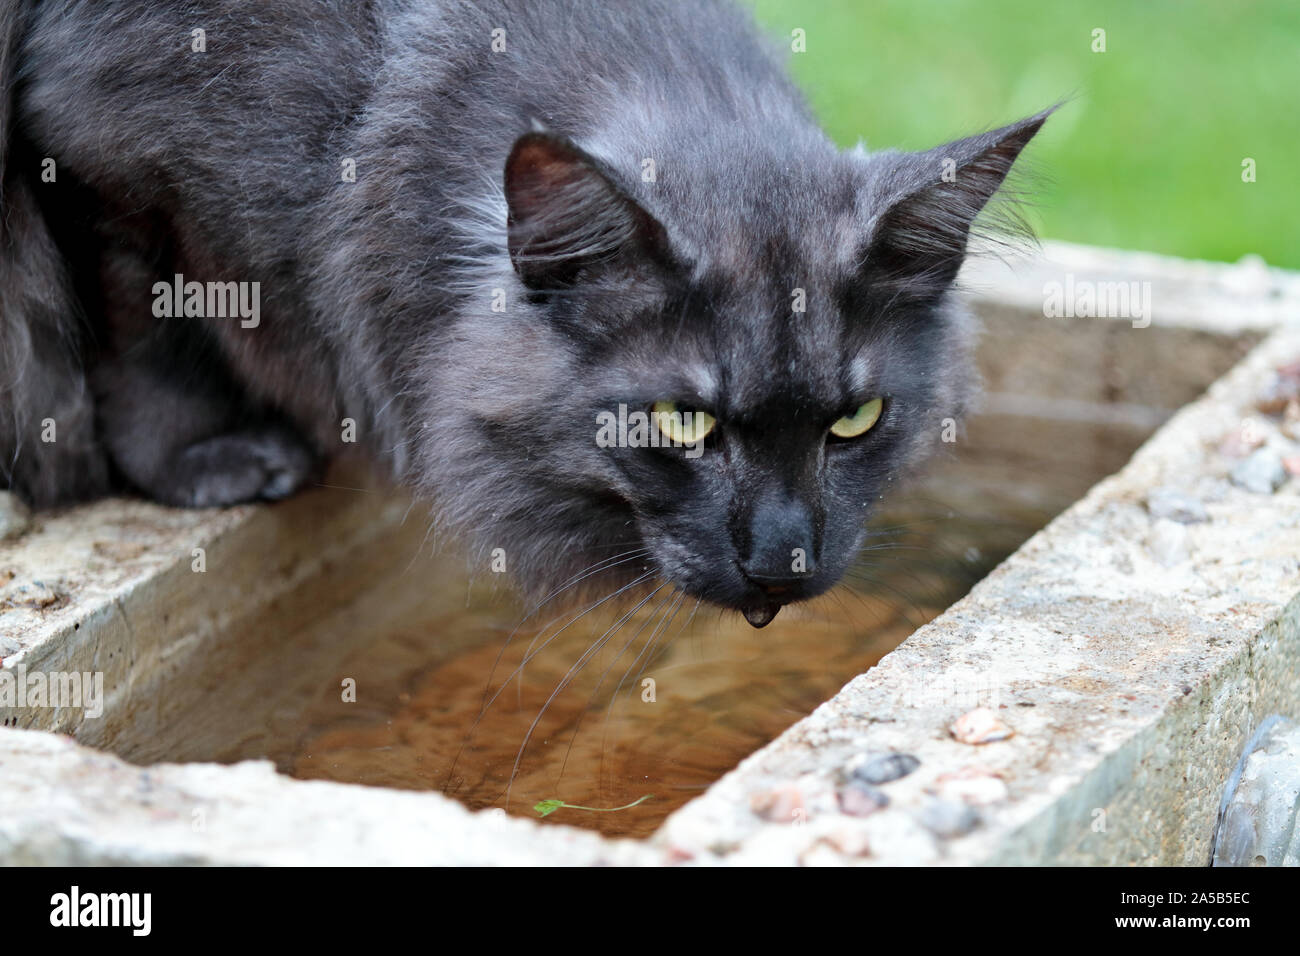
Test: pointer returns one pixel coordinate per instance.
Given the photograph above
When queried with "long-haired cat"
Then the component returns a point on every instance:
(475, 234)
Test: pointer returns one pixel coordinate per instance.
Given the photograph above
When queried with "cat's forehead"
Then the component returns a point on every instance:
(798, 247)
(768, 268)
(799, 222)
(776, 332)
(757, 347)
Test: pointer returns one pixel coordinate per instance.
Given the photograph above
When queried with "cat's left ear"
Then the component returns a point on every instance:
(930, 200)
(568, 215)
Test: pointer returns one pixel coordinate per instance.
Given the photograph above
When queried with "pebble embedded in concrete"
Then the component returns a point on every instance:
(886, 767)
(1281, 389)
(1291, 421)
(1259, 825)
(1250, 434)
(36, 595)
(972, 785)
(1167, 502)
(980, 726)
(859, 799)
(780, 805)
(1261, 473)
(831, 849)
(948, 818)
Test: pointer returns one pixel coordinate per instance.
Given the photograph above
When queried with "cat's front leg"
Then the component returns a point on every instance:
(179, 429)
(268, 462)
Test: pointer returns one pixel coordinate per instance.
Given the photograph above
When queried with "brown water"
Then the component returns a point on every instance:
(423, 645)
(675, 698)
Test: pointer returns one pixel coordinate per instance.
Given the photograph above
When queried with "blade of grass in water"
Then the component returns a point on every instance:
(546, 807)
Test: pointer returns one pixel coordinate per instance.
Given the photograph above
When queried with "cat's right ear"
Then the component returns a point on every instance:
(566, 215)
(925, 205)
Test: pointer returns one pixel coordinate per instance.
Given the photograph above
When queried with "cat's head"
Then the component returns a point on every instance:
(707, 377)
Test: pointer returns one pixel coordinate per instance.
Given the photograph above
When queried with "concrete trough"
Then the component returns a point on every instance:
(1116, 664)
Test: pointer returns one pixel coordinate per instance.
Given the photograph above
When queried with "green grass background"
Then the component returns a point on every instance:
(1146, 154)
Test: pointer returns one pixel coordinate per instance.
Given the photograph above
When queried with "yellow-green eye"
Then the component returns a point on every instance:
(682, 427)
(860, 422)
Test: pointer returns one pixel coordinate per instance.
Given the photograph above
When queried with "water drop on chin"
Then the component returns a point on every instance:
(761, 615)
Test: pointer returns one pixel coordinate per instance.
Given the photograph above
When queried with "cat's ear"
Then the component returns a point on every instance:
(930, 200)
(567, 215)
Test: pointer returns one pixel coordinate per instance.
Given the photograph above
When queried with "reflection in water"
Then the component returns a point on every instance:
(675, 698)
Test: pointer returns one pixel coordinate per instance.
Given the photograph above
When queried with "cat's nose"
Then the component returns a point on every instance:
(781, 548)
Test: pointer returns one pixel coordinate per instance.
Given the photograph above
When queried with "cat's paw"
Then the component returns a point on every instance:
(267, 463)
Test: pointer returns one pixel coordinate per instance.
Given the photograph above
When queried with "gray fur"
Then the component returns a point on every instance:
(377, 294)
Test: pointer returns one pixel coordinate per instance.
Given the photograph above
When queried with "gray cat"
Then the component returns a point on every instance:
(586, 275)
